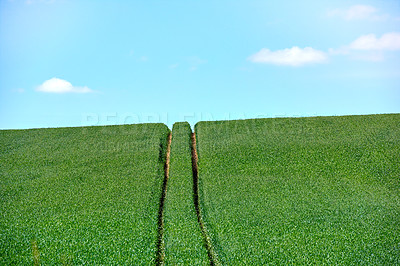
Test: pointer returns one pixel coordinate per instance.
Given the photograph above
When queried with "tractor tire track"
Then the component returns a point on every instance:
(206, 238)
(160, 256)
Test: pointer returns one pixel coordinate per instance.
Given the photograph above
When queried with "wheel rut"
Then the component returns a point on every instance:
(160, 232)
(206, 238)
(160, 246)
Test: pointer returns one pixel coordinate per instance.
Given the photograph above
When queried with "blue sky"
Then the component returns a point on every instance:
(77, 63)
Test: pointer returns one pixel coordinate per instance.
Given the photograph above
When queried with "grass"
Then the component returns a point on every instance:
(81, 195)
(320, 190)
(182, 235)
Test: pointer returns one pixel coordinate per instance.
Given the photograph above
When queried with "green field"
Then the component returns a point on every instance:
(81, 195)
(183, 238)
(320, 190)
(317, 190)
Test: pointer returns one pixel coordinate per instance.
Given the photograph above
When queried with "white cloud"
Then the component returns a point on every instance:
(359, 55)
(56, 85)
(369, 47)
(294, 56)
(358, 12)
(388, 41)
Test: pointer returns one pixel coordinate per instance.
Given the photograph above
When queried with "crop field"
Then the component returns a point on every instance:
(81, 195)
(319, 190)
(182, 234)
(316, 190)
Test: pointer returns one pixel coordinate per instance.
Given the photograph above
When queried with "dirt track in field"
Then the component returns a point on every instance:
(160, 233)
(206, 238)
